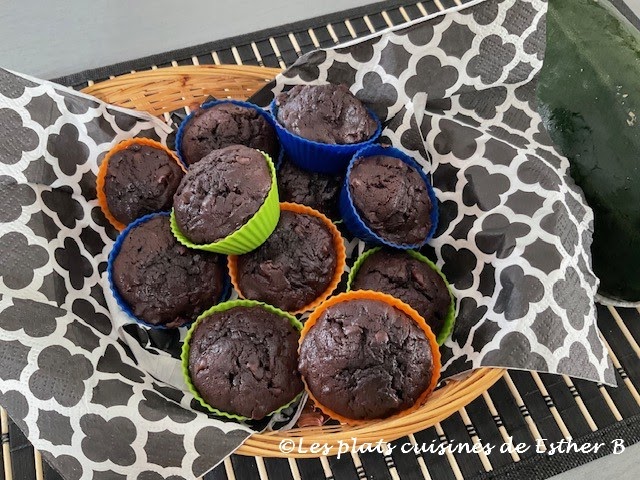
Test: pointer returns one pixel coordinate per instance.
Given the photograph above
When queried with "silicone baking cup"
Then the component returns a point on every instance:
(449, 320)
(180, 133)
(186, 349)
(352, 219)
(122, 303)
(338, 244)
(250, 235)
(102, 173)
(403, 307)
(316, 156)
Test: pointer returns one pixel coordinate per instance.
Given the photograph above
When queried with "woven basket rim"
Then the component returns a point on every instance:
(162, 90)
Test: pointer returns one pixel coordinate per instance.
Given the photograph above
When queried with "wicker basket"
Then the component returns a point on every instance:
(163, 90)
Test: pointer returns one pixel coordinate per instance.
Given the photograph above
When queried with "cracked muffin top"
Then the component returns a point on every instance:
(405, 277)
(293, 267)
(140, 179)
(223, 125)
(364, 359)
(392, 199)
(163, 282)
(326, 114)
(220, 193)
(316, 190)
(244, 361)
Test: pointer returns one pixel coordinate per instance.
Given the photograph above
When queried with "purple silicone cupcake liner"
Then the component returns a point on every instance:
(352, 219)
(319, 157)
(226, 286)
(265, 113)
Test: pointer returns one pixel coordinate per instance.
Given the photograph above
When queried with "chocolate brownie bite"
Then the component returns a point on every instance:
(163, 282)
(409, 279)
(243, 361)
(364, 359)
(392, 199)
(295, 265)
(140, 180)
(220, 193)
(328, 114)
(316, 190)
(226, 124)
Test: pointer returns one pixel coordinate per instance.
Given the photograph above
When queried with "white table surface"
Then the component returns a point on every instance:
(49, 39)
(625, 466)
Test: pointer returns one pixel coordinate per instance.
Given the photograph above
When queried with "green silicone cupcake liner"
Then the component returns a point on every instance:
(449, 320)
(222, 307)
(250, 235)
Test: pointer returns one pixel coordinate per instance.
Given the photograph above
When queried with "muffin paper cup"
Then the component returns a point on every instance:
(394, 302)
(338, 244)
(222, 307)
(102, 174)
(180, 133)
(250, 235)
(122, 303)
(449, 320)
(316, 156)
(352, 219)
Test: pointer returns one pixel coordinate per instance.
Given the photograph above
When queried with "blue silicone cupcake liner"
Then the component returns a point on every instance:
(350, 215)
(122, 303)
(180, 133)
(316, 156)
(280, 159)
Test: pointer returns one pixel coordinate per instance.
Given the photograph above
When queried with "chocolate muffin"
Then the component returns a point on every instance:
(325, 113)
(223, 125)
(315, 190)
(221, 193)
(293, 267)
(163, 282)
(392, 199)
(140, 180)
(405, 277)
(244, 361)
(364, 359)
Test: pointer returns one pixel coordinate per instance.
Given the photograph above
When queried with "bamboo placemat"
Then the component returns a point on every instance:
(522, 405)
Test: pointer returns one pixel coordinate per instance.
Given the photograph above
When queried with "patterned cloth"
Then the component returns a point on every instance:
(101, 397)
(458, 93)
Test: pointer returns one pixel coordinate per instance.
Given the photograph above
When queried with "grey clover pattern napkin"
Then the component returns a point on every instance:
(458, 93)
(73, 376)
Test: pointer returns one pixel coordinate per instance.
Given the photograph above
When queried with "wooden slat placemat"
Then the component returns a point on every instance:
(526, 407)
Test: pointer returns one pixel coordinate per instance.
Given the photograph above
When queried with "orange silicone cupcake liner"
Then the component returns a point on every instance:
(403, 307)
(338, 245)
(102, 173)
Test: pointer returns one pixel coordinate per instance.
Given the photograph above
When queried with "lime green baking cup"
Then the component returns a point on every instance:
(450, 318)
(250, 235)
(222, 307)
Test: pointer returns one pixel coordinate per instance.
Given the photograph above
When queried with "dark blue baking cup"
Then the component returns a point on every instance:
(266, 114)
(280, 159)
(319, 157)
(352, 220)
(122, 303)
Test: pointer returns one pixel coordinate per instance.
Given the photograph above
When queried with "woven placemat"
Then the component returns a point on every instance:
(526, 407)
